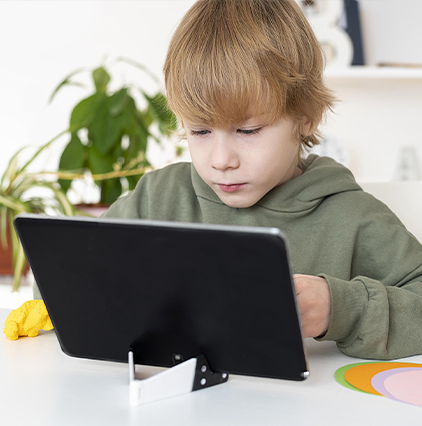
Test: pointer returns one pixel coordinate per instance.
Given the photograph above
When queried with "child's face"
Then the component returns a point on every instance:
(243, 162)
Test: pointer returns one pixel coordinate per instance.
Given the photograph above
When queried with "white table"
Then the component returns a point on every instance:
(40, 385)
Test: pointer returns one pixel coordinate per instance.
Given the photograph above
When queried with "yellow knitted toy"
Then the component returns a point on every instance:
(27, 320)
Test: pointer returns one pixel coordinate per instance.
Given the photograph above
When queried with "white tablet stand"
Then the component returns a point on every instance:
(185, 376)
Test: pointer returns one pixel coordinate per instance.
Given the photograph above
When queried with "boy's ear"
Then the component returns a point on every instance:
(306, 127)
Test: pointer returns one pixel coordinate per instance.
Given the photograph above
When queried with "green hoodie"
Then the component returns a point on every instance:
(373, 265)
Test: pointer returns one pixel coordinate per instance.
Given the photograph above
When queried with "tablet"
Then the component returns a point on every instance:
(168, 288)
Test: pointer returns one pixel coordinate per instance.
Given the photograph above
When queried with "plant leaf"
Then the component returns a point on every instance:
(111, 189)
(19, 264)
(39, 205)
(118, 101)
(14, 238)
(66, 81)
(97, 163)
(3, 227)
(139, 121)
(118, 152)
(104, 131)
(84, 112)
(138, 140)
(24, 184)
(162, 113)
(126, 117)
(132, 181)
(11, 171)
(13, 204)
(124, 120)
(101, 79)
(73, 159)
(147, 117)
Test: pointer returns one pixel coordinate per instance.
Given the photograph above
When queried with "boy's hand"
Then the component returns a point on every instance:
(27, 320)
(314, 300)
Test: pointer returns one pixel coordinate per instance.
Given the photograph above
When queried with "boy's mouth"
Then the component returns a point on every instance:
(231, 187)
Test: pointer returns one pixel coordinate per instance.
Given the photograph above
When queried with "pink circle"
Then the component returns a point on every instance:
(406, 386)
(377, 381)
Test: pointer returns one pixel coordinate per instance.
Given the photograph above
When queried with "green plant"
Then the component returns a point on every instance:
(16, 185)
(117, 132)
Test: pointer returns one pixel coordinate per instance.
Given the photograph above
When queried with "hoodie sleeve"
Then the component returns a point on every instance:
(378, 312)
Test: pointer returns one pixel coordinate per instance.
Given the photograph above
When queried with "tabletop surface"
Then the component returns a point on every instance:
(40, 385)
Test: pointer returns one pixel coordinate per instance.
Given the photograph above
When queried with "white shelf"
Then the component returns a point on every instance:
(373, 72)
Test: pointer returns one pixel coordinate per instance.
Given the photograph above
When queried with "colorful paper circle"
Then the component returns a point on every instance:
(361, 375)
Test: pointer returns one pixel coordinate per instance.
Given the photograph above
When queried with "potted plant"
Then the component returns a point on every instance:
(17, 196)
(112, 155)
(109, 133)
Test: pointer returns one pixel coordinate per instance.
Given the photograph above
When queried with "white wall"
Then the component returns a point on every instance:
(42, 41)
(374, 121)
(392, 30)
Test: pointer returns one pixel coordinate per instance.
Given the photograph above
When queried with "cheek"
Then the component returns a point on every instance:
(289, 152)
(191, 147)
(273, 157)
(277, 161)
(198, 155)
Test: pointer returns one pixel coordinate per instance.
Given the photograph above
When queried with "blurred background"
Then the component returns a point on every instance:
(43, 41)
(374, 130)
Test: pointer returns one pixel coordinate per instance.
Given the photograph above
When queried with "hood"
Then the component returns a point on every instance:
(321, 178)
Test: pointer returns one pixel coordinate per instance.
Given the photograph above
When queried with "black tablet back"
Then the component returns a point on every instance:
(168, 288)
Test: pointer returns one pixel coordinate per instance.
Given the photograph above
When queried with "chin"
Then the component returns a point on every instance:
(238, 204)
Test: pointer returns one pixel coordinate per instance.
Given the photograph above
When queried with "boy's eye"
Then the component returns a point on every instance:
(246, 132)
(250, 131)
(199, 132)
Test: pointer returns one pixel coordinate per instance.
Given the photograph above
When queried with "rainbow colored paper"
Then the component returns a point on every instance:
(399, 381)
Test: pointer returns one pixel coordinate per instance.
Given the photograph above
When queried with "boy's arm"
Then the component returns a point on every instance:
(378, 313)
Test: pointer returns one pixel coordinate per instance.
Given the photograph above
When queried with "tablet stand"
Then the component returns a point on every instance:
(185, 376)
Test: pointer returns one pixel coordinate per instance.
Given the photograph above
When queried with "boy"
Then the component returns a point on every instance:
(245, 80)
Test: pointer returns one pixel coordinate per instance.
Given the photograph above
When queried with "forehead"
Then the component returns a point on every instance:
(233, 114)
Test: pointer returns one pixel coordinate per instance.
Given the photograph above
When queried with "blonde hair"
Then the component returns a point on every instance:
(227, 56)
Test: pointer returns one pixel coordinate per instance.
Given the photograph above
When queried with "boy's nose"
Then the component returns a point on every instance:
(223, 155)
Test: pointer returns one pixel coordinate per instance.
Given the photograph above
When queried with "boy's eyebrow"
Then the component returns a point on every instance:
(260, 120)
